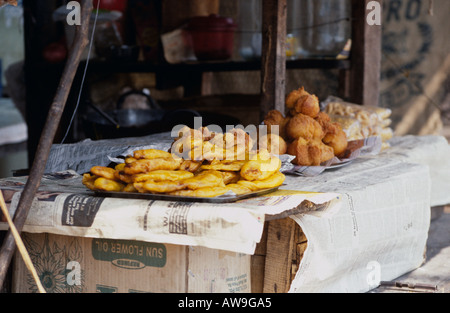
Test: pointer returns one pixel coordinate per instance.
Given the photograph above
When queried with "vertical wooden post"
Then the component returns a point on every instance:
(362, 81)
(47, 136)
(273, 58)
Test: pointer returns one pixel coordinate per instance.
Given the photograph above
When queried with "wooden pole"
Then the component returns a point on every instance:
(273, 58)
(362, 82)
(47, 136)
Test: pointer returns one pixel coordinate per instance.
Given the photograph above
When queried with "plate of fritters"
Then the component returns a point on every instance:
(196, 169)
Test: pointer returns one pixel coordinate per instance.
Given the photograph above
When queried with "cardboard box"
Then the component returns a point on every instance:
(87, 265)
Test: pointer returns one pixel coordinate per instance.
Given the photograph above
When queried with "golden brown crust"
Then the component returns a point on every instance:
(310, 152)
(304, 126)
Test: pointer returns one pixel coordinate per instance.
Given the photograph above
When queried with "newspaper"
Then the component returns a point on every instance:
(369, 222)
(63, 205)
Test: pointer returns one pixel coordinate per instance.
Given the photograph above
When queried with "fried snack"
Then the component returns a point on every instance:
(119, 167)
(273, 143)
(103, 171)
(261, 167)
(371, 120)
(275, 180)
(159, 186)
(129, 188)
(293, 96)
(162, 175)
(224, 165)
(206, 192)
(238, 189)
(190, 165)
(209, 178)
(309, 153)
(105, 184)
(121, 176)
(88, 180)
(230, 177)
(300, 101)
(151, 154)
(276, 118)
(304, 126)
(336, 138)
(147, 165)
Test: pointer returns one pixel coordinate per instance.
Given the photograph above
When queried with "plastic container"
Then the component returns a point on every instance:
(212, 37)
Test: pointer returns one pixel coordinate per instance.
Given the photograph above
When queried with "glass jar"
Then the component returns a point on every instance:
(322, 26)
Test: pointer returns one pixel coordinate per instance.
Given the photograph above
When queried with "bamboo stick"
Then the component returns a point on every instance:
(20, 246)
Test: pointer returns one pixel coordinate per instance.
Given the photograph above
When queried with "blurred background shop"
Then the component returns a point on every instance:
(135, 39)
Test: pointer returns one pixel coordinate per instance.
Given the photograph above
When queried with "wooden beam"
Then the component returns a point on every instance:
(273, 58)
(362, 81)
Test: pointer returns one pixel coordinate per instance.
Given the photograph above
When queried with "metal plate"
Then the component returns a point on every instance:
(152, 196)
(338, 165)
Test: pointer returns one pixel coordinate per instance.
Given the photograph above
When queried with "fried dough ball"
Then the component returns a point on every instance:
(293, 96)
(261, 167)
(273, 143)
(336, 138)
(276, 118)
(300, 101)
(310, 153)
(147, 165)
(304, 126)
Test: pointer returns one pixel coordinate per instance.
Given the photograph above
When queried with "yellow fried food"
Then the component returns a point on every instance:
(204, 179)
(129, 160)
(130, 188)
(88, 180)
(262, 167)
(224, 165)
(190, 165)
(206, 192)
(162, 175)
(151, 154)
(159, 186)
(230, 177)
(121, 176)
(103, 171)
(275, 180)
(119, 167)
(147, 165)
(105, 184)
(238, 189)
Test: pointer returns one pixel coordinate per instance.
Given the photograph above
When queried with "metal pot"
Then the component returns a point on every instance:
(99, 124)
